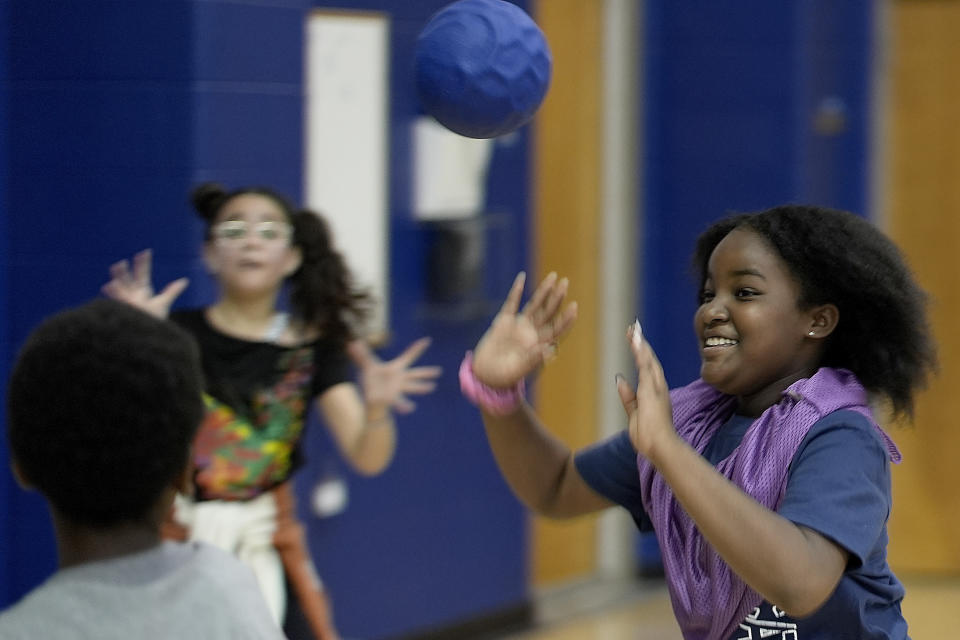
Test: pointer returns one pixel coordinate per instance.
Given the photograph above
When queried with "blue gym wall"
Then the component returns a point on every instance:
(6, 487)
(97, 156)
(111, 110)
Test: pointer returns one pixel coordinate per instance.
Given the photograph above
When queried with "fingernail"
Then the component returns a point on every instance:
(637, 333)
(617, 378)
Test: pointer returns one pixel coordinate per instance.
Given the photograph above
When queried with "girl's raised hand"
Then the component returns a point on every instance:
(516, 344)
(387, 384)
(134, 287)
(648, 407)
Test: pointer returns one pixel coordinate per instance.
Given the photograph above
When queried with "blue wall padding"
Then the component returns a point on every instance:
(7, 488)
(838, 52)
(97, 157)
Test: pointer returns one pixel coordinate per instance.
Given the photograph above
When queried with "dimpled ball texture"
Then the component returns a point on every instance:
(482, 67)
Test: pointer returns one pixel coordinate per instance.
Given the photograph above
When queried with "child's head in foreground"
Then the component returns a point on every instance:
(103, 403)
(835, 258)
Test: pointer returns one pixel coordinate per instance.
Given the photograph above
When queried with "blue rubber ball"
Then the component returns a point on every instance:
(482, 67)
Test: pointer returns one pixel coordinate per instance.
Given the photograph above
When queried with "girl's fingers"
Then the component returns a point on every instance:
(141, 268)
(553, 300)
(112, 290)
(640, 349)
(635, 340)
(418, 387)
(172, 290)
(649, 369)
(512, 303)
(120, 273)
(647, 364)
(532, 308)
(413, 352)
(424, 373)
(402, 404)
(628, 395)
(562, 323)
(656, 369)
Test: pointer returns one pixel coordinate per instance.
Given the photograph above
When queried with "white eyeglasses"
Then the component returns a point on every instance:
(268, 230)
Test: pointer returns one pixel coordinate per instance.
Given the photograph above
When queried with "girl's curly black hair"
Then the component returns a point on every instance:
(322, 291)
(883, 335)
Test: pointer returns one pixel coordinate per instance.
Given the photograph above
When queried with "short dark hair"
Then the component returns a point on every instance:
(104, 401)
(837, 257)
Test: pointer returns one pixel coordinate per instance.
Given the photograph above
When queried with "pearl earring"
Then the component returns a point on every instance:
(810, 334)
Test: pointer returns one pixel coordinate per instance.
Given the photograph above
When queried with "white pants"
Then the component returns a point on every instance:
(245, 529)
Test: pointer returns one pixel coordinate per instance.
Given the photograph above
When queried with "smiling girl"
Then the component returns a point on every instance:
(264, 367)
(767, 480)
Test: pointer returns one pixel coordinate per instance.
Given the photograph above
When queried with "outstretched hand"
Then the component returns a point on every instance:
(648, 406)
(134, 287)
(387, 384)
(516, 344)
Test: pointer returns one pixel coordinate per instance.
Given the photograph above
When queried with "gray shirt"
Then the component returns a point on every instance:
(175, 591)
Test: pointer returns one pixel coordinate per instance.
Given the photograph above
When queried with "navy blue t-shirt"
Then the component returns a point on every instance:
(838, 484)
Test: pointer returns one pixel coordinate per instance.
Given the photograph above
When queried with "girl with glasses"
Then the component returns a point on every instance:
(263, 368)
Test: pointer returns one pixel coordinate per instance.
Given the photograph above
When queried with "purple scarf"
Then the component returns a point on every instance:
(709, 599)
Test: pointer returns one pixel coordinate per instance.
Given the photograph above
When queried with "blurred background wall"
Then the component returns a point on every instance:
(110, 110)
(920, 196)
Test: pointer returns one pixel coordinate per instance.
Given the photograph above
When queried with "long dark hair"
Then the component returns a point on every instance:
(323, 295)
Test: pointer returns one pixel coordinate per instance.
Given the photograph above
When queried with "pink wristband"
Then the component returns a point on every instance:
(498, 402)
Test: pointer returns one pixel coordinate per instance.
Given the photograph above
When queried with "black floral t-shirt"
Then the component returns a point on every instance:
(257, 396)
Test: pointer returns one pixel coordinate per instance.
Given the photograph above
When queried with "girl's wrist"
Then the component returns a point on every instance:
(498, 402)
(663, 448)
(378, 415)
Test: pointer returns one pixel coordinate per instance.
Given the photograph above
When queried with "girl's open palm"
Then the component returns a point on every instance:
(387, 384)
(134, 286)
(648, 406)
(516, 344)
